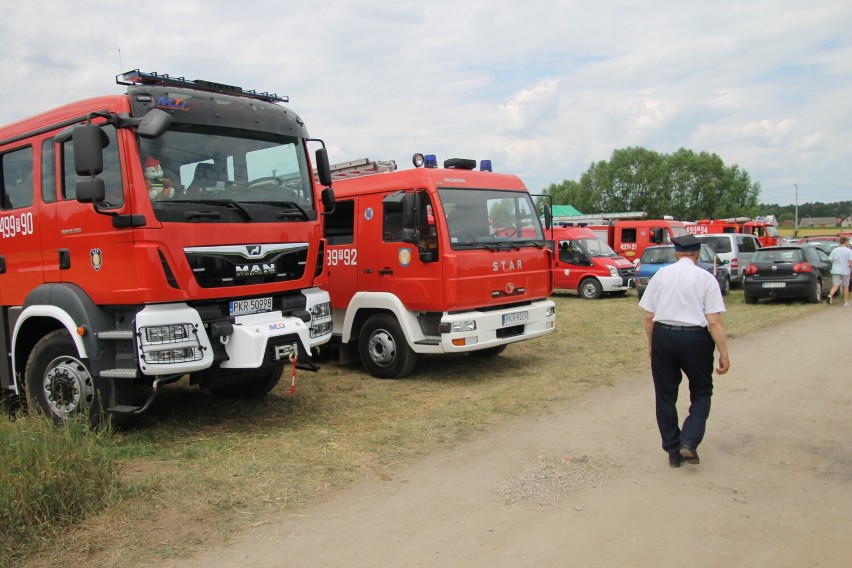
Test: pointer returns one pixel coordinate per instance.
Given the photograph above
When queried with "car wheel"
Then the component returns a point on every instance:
(591, 289)
(816, 293)
(749, 299)
(726, 286)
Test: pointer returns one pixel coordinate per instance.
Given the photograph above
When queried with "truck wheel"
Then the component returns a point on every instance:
(383, 348)
(58, 383)
(255, 384)
(591, 289)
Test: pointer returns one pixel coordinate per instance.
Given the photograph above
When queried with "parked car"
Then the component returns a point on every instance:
(654, 258)
(737, 248)
(794, 271)
(825, 242)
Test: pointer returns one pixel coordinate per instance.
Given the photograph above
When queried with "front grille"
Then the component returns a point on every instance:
(217, 267)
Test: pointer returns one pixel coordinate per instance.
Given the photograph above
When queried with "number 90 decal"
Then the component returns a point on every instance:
(346, 256)
(12, 225)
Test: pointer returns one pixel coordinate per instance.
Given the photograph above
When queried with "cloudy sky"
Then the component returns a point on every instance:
(543, 88)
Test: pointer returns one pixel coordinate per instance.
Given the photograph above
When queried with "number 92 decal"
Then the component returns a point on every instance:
(14, 225)
(346, 256)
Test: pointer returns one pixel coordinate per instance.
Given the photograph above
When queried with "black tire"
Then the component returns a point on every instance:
(726, 286)
(59, 384)
(815, 297)
(590, 289)
(255, 384)
(383, 348)
(489, 352)
(749, 299)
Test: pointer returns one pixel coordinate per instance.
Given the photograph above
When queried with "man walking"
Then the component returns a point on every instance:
(841, 266)
(684, 325)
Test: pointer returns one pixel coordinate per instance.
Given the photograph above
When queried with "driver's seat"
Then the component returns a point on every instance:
(205, 176)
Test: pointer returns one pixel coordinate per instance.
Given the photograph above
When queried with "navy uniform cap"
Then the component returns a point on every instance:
(686, 243)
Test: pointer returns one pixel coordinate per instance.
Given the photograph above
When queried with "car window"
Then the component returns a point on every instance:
(778, 255)
(720, 244)
(664, 255)
(747, 243)
(706, 254)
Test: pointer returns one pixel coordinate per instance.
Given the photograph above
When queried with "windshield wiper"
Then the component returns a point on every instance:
(229, 203)
(299, 210)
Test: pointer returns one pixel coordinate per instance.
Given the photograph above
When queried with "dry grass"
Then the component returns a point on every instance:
(197, 471)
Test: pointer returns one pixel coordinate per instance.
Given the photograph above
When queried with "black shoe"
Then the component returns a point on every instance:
(675, 459)
(689, 455)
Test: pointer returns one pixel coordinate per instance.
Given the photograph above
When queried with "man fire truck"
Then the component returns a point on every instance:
(434, 260)
(173, 230)
(765, 231)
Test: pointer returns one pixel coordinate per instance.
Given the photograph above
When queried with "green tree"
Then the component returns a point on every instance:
(685, 185)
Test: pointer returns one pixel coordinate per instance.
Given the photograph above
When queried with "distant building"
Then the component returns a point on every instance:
(819, 222)
(847, 222)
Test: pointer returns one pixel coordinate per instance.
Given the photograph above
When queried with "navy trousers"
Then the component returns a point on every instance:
(689, 352)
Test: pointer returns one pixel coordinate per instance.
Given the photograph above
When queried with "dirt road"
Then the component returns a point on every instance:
(587, 484)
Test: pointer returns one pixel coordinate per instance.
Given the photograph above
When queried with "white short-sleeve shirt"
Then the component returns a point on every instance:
(681, 294)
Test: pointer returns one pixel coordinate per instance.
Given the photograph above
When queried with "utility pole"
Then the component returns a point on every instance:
(796, 229)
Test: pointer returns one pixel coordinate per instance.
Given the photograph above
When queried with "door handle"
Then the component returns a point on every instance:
(386, 272)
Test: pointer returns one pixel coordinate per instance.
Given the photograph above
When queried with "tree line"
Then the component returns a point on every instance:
(840, 210)
(685, 185)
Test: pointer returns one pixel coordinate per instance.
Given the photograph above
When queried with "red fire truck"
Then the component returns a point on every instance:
(765, 231)
(173, 230)
(434, 260)
(586, 263)
(629, 237)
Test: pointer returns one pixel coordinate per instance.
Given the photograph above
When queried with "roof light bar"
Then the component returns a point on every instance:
(485, 166)
(460, 164)
(137, 77)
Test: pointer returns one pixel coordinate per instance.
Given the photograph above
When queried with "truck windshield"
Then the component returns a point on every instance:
(595, 247)
(244, 172)
(484, 218)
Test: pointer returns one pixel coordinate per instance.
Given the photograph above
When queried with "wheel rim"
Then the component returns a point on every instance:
(589, 290)
(68, 387)
(382, 348)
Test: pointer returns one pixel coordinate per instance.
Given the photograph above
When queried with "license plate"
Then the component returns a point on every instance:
(515, 318)
(253, 306)
(774, 284)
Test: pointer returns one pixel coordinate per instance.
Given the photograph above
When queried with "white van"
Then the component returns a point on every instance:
(737, 248)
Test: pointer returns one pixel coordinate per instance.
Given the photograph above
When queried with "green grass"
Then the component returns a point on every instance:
(197, 471)
(50, 478)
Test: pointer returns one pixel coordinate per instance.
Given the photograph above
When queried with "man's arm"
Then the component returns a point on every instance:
(716, 326)
(649, 329)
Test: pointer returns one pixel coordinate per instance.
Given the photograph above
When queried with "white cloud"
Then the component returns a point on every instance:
(543, 88)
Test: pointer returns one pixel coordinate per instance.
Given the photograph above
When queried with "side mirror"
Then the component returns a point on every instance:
(328, 200)
(154, 123)
(89, 142)
(91, 190)
(323, 167)
(409, 207)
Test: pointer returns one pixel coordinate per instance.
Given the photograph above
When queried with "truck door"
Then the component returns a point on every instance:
(345, 257)
(408, 256)
(90, 251)
(569, 266)
(20, 255)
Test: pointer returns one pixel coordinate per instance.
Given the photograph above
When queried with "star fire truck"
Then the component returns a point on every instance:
(765, 231)
(169, 231)
(433, 260)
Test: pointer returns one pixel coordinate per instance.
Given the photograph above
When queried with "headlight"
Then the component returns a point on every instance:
(613, 271)
(466, 325)
(321, 311)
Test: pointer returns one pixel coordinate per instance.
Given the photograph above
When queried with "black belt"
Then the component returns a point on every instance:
(679, 327)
